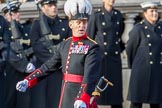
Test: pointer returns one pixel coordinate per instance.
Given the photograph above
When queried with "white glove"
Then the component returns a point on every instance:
(30, 68)
(22, 85)
(79, 104)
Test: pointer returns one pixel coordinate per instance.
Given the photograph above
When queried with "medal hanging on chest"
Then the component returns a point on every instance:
(79, 48)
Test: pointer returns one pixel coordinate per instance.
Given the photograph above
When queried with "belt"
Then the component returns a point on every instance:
(72, 78)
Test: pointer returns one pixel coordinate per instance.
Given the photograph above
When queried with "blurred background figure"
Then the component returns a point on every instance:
(2, 1)
(106, 27)
(17, 56)
(144, 50)
(79, 57)
(46, 33)
(4, 36)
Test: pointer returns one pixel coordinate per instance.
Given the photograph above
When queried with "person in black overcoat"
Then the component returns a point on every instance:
(16, 59)
(79, 57)
(4, 42)
(47, 31)
(106, 27)
(144, 51)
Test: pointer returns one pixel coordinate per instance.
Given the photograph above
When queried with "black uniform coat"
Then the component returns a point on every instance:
(144, 50)
(106, 28)
(15, 71)
(4, 38)
(18, 60)
(49, 86)
(79, 57)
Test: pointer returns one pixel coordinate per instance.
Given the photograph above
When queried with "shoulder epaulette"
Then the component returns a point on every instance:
(36, 19)
(142, 22)
(64, 18)
(91, 40)
(68, 38)
(98, 10)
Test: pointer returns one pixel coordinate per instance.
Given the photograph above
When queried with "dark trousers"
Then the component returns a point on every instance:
(46, 94)
(139, 105)
(14, 98)
(116, 106)
(1, 90)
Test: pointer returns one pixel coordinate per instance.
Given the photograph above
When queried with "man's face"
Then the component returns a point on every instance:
(50, 10)
(151, 15)
(109, 2)
(78, 27)
(15, 15)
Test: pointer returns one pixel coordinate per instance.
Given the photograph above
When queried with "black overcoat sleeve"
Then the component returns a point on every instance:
(132, 45)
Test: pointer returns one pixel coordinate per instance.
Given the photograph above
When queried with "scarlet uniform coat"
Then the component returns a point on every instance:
(78, 56)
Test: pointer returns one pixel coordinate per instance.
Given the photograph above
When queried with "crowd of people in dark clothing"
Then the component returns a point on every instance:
(55, 62)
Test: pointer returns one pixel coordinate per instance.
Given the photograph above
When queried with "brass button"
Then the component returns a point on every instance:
(116, 52)
(146, 27)
(160, 62)
(116, 42)
(0, 27)
(104, 33)
(117, 33)
(26, 34)
(50, 50)
(105, 53)
(151, 62)
(149, 44)
(105, 43)
(148, 35)
(103, 23)
(117, 22)
(67, 62)
(66, 67)
(150, 53)
(63, 29)
(141, 22)
(99, 10)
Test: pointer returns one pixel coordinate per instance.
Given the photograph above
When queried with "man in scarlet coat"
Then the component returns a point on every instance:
(79, 57)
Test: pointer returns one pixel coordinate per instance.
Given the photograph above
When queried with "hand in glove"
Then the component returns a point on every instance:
(30, 68)
(22, 85)
(79, 104)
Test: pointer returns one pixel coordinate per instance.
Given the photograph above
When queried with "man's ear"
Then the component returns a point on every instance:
(71, 24)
